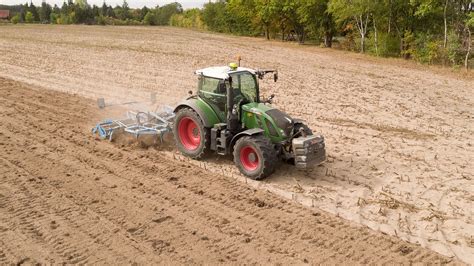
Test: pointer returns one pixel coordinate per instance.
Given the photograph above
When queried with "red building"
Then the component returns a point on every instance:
(4, 14)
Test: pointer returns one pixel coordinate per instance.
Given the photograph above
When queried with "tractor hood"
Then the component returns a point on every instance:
(257, 108)
(282, 120)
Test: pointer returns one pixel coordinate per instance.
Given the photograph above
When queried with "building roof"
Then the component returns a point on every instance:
(4, 14)
(221, 72)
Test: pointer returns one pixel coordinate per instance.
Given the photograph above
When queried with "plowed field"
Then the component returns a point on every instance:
(399, 139)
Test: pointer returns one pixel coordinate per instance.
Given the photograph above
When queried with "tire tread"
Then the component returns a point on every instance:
(270, 158)
(206, 134)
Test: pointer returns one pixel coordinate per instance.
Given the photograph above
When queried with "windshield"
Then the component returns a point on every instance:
(245, 84)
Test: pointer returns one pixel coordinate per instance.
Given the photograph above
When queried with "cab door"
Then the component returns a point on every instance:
(213, 93)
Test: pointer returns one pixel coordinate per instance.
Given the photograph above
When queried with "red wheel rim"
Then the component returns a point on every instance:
(249, 158)
(189, 133)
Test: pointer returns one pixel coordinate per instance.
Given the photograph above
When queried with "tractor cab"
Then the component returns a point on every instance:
(215, 82)
(227, 116)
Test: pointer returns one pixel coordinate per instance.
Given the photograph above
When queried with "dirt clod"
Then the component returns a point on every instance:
(161, 219)
(405, 250)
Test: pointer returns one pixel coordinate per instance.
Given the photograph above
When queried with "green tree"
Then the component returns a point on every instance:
(45, 12)
(64, 8)
(111, 12)
(103, 9)
(56, 9)
(283, 21)
(214, 16)
(29, 18)
(289, 10)
(315, 16)
(143, 12)
(163, 14)
(34, 12)
(53, 18)
(149, 18)
(81, 3)
(23, 10)
(190, 18)
(240, 17)
(358, 11)
(100, 20)
(125, 14)
(266, 11)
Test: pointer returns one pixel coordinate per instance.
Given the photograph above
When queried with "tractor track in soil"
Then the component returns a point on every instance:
(66, 197)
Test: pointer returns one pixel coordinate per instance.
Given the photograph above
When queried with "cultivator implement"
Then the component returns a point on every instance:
(137, 124)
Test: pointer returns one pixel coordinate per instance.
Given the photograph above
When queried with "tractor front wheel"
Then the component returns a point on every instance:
(255, 156)
(192, 138)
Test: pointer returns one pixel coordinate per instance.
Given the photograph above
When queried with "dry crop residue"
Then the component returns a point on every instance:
(66, 197)
(399, 137)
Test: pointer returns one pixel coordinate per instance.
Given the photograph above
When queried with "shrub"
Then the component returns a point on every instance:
(72, 18)
(428, 49)
(65, 19)
(350, 42)
(149, 18)
(29, 17)
(53, 17)
(189, 19)
(387, 45)
(100, 20)
(408, 46)
(15, 19)
(455, 53)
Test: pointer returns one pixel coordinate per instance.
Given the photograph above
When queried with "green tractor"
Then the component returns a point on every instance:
(228, 116)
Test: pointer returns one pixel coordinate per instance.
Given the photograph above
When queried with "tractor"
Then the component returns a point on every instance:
(228, 116)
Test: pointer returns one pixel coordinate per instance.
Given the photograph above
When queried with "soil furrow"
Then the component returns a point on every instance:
(281, 228)
(139, 204)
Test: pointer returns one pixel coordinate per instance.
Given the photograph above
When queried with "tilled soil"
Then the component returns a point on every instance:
(66, 197)
(400, 137)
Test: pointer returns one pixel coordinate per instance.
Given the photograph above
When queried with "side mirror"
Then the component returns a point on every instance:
(275, 77)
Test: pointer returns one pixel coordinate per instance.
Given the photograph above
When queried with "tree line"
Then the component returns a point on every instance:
(80, 12)
(428, 31)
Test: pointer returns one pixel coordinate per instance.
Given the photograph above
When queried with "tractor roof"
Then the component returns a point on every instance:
(221, 72)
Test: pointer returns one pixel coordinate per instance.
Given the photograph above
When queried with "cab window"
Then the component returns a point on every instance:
(210, 93)
(246, 85)
(208, 84)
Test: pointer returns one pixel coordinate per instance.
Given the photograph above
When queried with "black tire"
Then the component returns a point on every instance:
(305, 128)
(266, 156)
(202, 146)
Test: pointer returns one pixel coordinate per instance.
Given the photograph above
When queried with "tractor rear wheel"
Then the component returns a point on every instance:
(255, 156)
(192, 138)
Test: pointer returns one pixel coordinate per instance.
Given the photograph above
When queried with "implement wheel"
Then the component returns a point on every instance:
(192, 138)
(255, 156)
